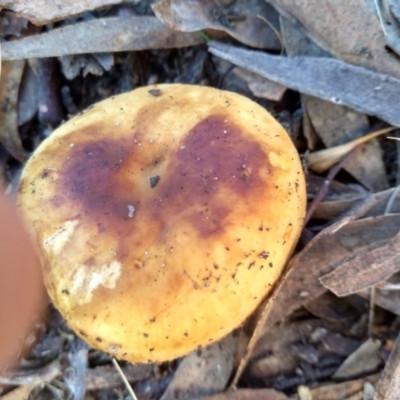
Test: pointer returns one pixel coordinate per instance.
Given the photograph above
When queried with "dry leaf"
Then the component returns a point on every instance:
(28, 99)
(10, 24)
(260, 86)
(100, 35)
(329, 249)
(364, 360)
(331, 308)
(329, 79)
(345, 28)
(203, 372)
(304, 393)
(20, 393)
(390, 24)
(336, 124)
(320, 161)
(342, 390)
(388, 387)
(277, 352)
(10, 80)
(331, 208)
(248, 394)
(41, 12)
(240, 19)
(365, 270)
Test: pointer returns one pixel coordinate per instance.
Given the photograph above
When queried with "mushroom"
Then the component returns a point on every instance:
(163, 217)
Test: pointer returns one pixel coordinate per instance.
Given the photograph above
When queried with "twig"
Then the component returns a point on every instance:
(324, 188)
(123, 377)
(371, 313)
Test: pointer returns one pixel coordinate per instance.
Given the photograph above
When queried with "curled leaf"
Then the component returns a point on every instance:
(322, 160)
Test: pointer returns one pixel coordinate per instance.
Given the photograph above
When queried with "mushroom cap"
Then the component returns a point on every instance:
(163, 217)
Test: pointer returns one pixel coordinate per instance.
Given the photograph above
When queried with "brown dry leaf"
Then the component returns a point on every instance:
(341, 345)
(331, 308)
(329, 79)
(41, 12)
(10, 81)
(332, 207)
(100, 35)
(274, 352)
(345, 28)
(20, 393)
(337, 190)
(342, 390)
(364, 360)
(248, 394)
(10, 24)
(260, 86)
(365, 270)
(203, 372)
(320, 161)
(389, 385)
(240, 19)
(328, 250)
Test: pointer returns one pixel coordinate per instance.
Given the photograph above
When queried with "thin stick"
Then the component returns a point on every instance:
(123, 377)
(371, 314)
(324, 188)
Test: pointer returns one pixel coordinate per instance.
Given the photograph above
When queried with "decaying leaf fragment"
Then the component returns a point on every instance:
(203, 372)
(260, 86)
(365, 270)
(389, 23)
(345, 28)
(240, 19)
(10, 81)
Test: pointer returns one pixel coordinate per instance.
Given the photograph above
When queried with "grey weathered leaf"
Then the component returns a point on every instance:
(389, 23)
(364, 360)
(345, 28)
(329, 79)
(98, 36)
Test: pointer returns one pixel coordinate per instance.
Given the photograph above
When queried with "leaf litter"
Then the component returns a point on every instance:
(343, 83)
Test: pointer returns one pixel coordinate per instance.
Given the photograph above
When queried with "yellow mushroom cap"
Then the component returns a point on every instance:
(163, 217)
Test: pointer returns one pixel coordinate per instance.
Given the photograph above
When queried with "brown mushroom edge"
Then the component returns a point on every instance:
(163, 221)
